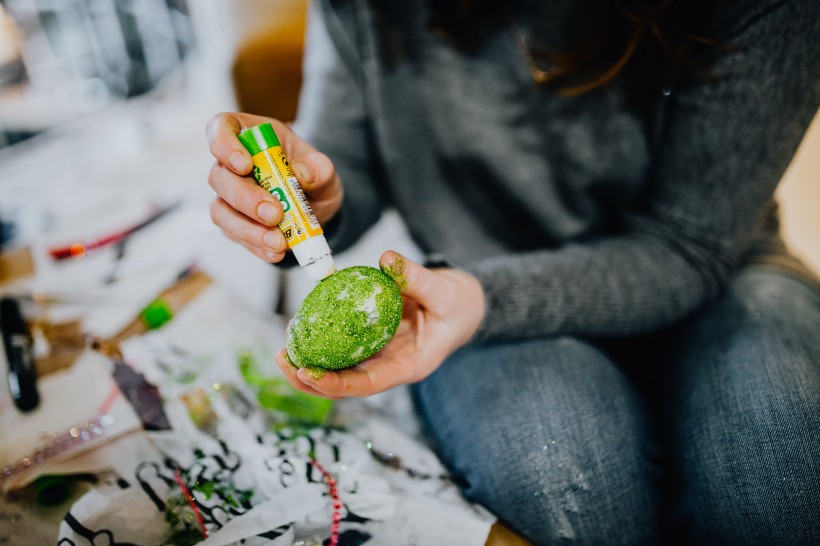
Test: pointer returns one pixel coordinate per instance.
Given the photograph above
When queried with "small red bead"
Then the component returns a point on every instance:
(337, 505)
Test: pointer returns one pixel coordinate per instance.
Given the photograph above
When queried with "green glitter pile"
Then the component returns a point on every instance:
(348, 317)
(288, 406)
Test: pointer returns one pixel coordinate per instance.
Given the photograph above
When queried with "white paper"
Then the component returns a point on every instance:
(197, 352)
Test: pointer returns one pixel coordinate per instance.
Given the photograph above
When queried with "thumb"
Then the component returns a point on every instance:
(315, 173)
(414, 280)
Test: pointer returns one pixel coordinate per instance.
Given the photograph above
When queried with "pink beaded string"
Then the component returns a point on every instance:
(61, 444)
(337, 504)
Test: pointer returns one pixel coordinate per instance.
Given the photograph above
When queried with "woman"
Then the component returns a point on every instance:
(618, 349)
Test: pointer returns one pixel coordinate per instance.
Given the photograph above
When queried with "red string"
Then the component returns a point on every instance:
(337, 504)
(189, 498)
(331, 486)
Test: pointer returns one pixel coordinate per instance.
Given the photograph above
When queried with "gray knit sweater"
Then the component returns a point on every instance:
(577, 215)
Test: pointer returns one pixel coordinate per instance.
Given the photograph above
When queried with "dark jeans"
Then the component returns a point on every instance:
(707, 433)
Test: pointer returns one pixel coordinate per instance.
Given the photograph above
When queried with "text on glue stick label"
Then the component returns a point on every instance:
(276, 177)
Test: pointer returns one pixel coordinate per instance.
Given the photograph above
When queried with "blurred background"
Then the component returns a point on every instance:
(64, 59)
(103, 105)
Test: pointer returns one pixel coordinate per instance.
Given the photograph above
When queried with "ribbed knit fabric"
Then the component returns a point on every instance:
(576, 214)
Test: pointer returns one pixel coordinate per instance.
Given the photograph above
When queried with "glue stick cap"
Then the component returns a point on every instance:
(258, 138)
(315, 258)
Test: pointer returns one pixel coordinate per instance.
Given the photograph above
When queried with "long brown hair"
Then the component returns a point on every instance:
(648, 45)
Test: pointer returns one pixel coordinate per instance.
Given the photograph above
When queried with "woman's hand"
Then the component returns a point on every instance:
(443, 309)
(245, 212)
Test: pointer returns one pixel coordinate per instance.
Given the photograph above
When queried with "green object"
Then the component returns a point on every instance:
(184, 527)
(52, 490)
(275, 394)
(258, 138)
(157, 313)
(348, 317)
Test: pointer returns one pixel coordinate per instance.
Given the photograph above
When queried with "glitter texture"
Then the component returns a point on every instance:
(346, 318)
(315, 373)
(395, 269)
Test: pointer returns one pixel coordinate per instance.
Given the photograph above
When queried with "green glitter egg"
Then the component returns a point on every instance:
(347, 317)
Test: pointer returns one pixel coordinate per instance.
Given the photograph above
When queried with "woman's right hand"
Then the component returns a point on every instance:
(245, 212)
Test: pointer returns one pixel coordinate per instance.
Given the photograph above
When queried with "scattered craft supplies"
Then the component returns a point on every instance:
(81, 248)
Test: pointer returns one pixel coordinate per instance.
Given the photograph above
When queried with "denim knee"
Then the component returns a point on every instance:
(549, 436)
(752, 480)
(743, 418)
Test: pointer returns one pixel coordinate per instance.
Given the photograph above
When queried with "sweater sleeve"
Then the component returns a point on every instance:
(332, 116)
(723, 147)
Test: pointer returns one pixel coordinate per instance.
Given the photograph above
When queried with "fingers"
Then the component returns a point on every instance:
(367, 378)
(222, 130)
(318, 178)
(316, 174)
(289, 370)
(263, 241)
(413, 279)
(245, 196)
(362, 380)
(230, 178)
(312, 168)
(350, 382)
(268, 256)
(243, 211)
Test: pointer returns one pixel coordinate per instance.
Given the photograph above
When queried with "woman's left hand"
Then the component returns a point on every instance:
(443, 309)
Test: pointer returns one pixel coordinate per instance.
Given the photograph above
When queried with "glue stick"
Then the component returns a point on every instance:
(273, 173)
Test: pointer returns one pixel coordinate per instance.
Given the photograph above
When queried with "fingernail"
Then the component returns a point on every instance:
(266, 212)
(312, 373)
(272, 240)
(286, 356)
(301, 171)
(395, 270)
(238, 161)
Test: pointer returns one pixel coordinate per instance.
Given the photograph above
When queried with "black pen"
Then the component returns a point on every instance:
(20, 356)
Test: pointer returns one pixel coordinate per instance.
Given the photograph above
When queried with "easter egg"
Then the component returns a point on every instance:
(346, 318)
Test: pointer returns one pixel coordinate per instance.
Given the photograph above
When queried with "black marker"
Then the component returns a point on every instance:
(20, 356)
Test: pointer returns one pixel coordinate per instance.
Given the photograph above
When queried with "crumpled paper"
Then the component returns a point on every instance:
(256, 483)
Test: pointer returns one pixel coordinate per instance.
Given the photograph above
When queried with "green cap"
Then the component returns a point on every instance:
(258, 138)
(156, 314)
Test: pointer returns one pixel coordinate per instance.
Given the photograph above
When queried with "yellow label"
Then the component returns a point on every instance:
(273, 173)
